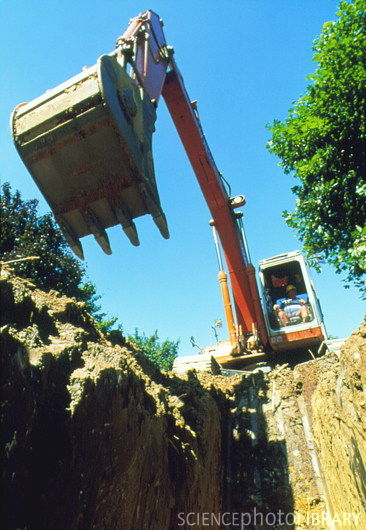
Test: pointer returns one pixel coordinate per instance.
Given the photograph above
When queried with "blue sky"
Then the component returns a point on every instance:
(246, 62)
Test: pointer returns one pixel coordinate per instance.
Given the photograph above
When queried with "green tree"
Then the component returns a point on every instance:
(161, 354)
(323, 143)
(90, 297)
(25, 233)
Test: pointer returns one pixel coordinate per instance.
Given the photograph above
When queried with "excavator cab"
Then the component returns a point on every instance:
(88, 145)
(290, 326)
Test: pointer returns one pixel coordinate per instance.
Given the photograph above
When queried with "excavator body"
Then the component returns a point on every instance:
(88, 145)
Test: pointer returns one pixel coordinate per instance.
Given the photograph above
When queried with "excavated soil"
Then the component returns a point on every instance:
(94, 436)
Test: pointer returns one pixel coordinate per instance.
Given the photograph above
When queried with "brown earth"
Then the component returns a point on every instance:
(94, 436)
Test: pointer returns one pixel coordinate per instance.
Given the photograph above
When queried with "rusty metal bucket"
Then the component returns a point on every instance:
(88, 145)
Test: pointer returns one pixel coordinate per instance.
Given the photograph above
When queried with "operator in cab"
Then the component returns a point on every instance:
(292, 306)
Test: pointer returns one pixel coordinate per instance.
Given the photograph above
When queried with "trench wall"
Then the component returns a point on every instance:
(94, 436)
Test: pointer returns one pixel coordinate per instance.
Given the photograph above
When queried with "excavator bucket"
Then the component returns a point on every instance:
(88, 145)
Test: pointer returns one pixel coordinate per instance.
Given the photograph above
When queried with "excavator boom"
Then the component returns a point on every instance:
(221, 206)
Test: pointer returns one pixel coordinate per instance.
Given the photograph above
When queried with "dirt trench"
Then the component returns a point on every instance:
(94, 436)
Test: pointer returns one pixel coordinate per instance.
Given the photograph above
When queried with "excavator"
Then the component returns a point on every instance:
(88, 146)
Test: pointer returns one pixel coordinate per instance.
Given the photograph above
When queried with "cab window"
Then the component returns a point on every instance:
(286, 297)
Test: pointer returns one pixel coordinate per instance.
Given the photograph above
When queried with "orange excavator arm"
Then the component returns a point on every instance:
(157, 72)
(185, 117)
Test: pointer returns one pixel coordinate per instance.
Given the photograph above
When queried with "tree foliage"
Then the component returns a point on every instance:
(323, 143)
(161, 354)
(91, 298)
(25, 233)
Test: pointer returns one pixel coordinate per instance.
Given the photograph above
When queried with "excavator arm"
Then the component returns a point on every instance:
(157, 72)
(59, 137)
(221, 206)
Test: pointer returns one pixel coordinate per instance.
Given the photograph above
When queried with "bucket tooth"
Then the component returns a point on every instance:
(162, 225)
(97, 230)
(153, 207)
(72, 240)
(128, 226)
(132, 235)
(103, 241)
(77, 249)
